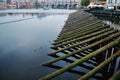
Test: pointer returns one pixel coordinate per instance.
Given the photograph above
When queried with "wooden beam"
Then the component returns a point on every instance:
(100, 66)
(80, 61)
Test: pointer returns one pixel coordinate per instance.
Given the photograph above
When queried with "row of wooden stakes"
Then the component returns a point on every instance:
(90, 41)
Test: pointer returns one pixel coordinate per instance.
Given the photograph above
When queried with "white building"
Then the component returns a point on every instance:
(112, 3)
(2, 4)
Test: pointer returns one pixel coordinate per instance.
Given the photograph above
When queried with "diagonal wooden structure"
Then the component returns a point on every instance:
(89, 41)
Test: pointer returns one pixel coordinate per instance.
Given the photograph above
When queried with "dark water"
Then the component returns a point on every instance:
(25, 40)
(113, 22)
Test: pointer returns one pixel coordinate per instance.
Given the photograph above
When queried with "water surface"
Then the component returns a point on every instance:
(25, 40)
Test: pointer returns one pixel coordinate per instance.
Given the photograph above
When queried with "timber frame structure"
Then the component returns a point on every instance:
(89, 41)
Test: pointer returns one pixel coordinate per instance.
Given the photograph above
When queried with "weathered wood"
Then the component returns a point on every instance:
(80, 21)
(73, 71)
(83, 37)
(116, 76)
(82, 49)
(80, 27)
(77, 22)
(70, 66)
(113, 63)
(100, 66)
(87, 40)
(98, 23)
(70, 23)
(79, 35)
(71, 61)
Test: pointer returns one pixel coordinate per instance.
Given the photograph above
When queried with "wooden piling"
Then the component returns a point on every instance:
(116, 76)
(100, 66)
(82, 49)
(92, 38)
(82, 38)
(89, 41)
(60, 71)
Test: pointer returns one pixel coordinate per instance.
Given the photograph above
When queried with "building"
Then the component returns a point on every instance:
(55, 3)
(23, 3)
(99, 3)
(34, 3)
(113, 4)
(2, 4)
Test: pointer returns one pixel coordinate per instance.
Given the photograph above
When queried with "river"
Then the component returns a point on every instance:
(26, 36)
(25, 40)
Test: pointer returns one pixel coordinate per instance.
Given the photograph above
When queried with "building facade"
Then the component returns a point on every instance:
(114, 3)
(35, 3)
(21, 4)
(98, 2)
(2, 4)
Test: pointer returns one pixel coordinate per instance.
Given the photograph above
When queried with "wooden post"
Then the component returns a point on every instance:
(116, 76)
(83, 59)
(100, 66)
(82, 49)
(82, 38)
(87, 40)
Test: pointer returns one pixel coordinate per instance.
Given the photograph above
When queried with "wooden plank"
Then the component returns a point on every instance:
(100, 66)
(87, 40)
(80, 61)
(83, 37)
(82, 49)
(79, 35)
(116, 76)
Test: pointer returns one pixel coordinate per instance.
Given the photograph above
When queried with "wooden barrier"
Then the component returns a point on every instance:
(89, 41)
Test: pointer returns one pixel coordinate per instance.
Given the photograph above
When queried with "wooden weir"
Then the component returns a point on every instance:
(90, 41)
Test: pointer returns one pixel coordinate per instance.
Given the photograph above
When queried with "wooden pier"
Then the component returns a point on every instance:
(90, 41)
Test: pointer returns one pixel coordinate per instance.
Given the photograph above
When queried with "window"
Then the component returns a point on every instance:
(118, 7)
(115, 1)
(109, 1)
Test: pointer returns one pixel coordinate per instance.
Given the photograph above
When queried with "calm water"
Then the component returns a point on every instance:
(25, 40)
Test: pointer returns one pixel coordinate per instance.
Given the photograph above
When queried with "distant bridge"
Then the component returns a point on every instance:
(60, 4)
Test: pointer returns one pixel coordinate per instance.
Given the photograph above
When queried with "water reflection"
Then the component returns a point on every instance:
(3, 14)
(24, 44)
(39, 15)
